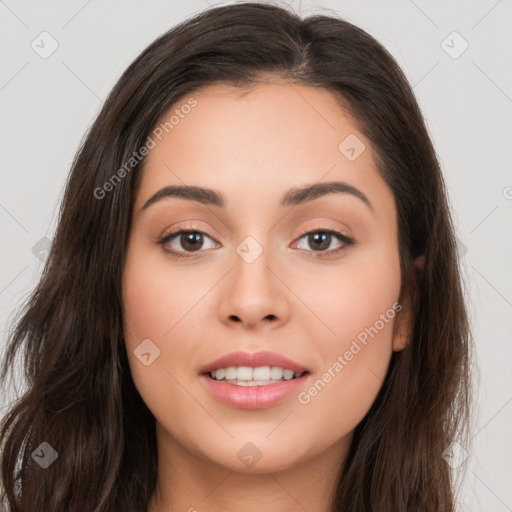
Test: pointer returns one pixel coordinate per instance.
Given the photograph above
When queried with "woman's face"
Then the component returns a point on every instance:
(256, 275)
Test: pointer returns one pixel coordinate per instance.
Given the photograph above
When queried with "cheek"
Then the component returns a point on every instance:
(357, 306)
(148, 311)
(155, 297)
(342, 302)
(154, 302)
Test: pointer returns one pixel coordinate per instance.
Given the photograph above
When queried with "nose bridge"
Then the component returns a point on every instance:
(253, 293)
(252, 275)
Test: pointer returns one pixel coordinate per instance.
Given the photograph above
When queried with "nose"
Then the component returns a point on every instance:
(254, 295)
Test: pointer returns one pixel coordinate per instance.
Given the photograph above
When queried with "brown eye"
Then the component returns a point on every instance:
(320, 242)
(183, 242)
(191, 241)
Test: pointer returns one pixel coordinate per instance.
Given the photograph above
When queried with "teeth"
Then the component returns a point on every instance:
(247, 376)
(276, 373)
(230, 373)
(244, 373)
(288, 374)
(263, 373)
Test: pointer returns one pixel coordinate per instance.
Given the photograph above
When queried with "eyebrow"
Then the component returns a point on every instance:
(292, 197)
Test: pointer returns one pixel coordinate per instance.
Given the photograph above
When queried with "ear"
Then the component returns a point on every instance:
(402, 333)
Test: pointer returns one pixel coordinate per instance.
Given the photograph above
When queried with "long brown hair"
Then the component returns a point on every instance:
(80, 397)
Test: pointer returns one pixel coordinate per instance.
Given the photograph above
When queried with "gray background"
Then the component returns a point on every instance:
(48, 103)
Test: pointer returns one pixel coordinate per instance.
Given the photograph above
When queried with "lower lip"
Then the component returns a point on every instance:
(253, 397)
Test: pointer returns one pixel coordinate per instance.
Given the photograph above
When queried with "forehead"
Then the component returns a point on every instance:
(258, 141)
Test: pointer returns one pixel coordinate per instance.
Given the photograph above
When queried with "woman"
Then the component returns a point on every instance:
(252, 300)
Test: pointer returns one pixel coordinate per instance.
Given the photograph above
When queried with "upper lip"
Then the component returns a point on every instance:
(253, 360)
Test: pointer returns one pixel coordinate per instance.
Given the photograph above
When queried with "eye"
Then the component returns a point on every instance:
(182, 241)
(321, 240)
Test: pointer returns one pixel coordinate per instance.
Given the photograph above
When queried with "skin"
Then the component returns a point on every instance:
(252, 148)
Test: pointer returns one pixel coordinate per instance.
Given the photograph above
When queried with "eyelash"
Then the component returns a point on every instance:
(347, 241)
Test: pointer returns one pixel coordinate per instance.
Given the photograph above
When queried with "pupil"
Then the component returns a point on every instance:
(322, 237)
(193, 240)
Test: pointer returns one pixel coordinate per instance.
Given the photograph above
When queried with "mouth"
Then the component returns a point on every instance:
(253, 381)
